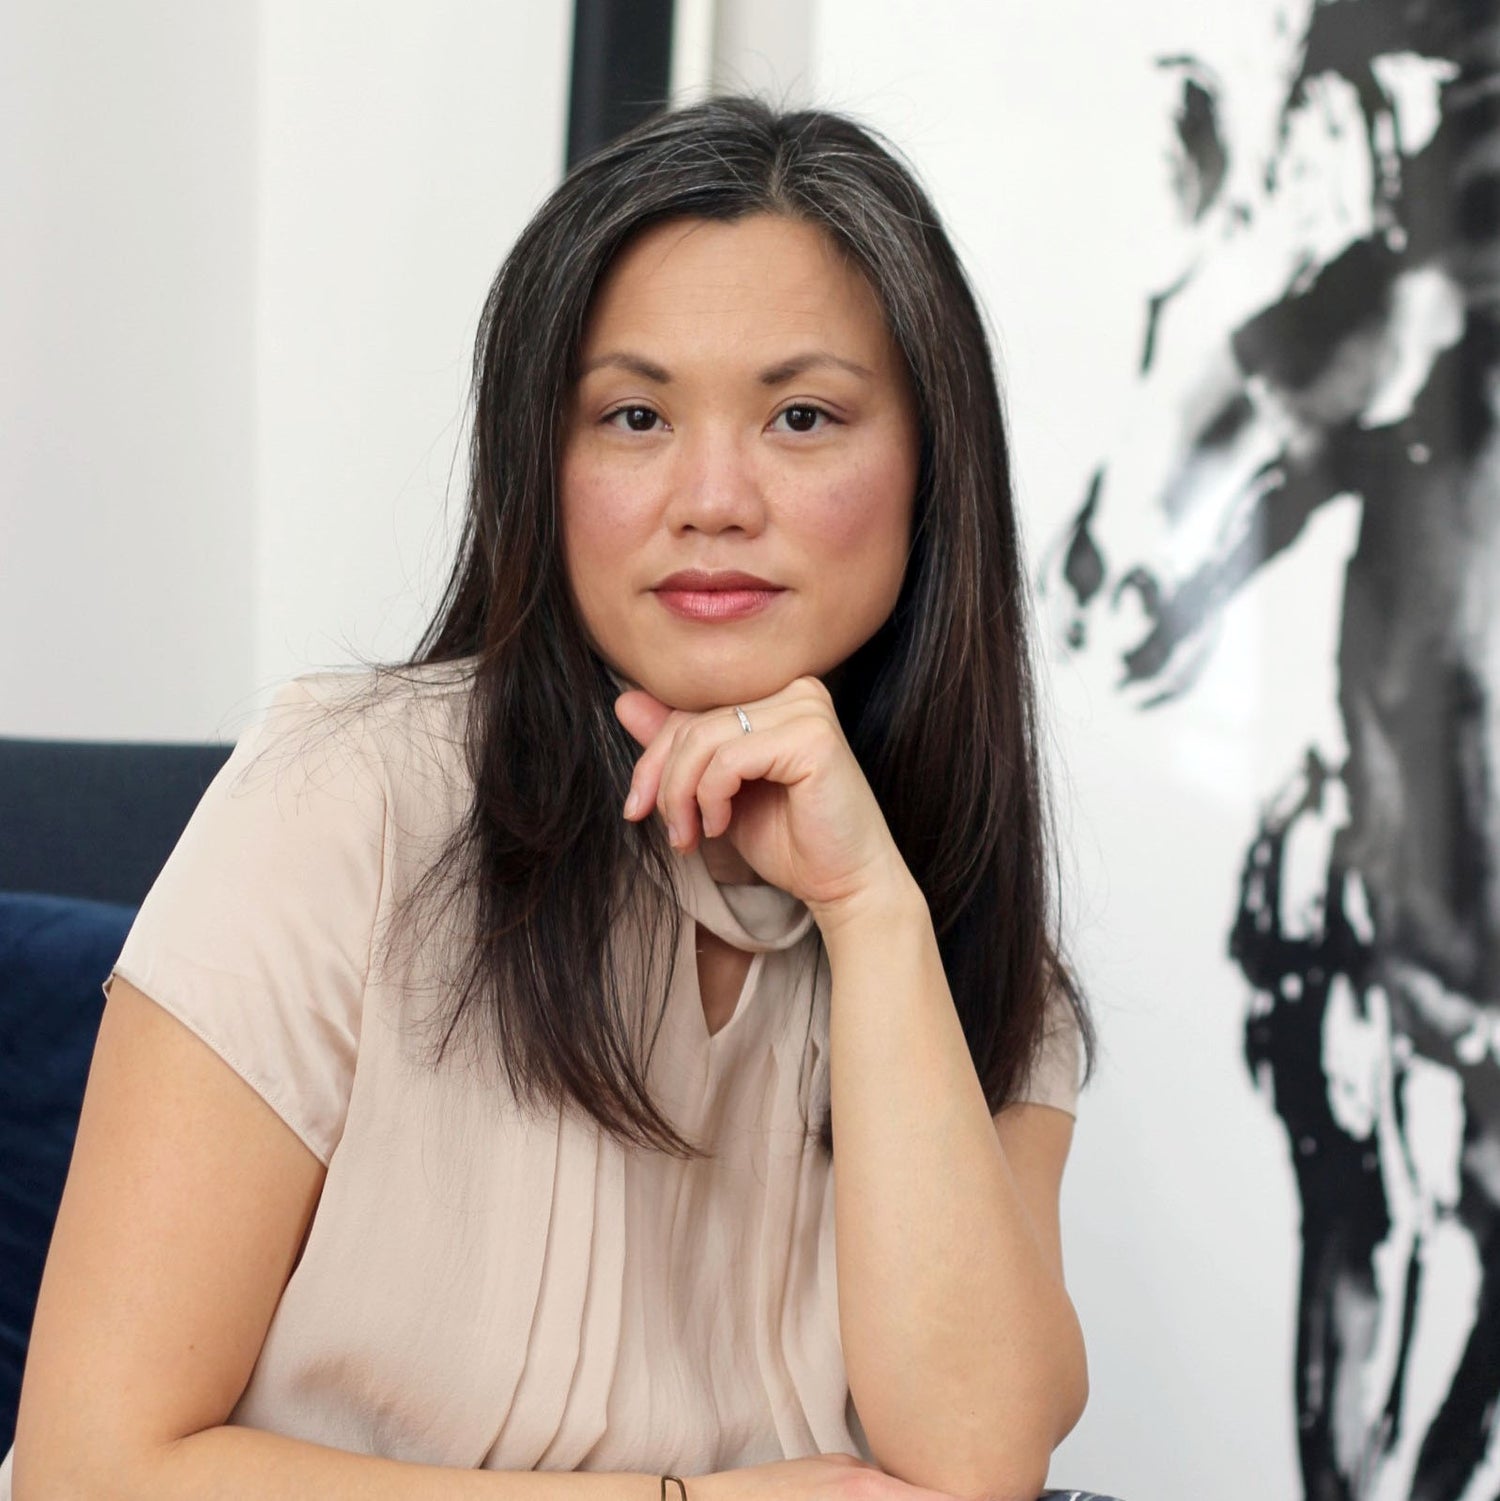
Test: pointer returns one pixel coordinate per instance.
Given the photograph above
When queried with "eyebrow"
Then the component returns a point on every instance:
(772, 375)
(776, 375)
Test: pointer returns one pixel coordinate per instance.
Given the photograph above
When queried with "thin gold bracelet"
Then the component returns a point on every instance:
(681, 1488)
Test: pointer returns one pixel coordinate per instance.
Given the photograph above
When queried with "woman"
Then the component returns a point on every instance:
(531, 1192)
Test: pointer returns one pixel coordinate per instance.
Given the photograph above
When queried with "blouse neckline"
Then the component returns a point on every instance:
(754, 917)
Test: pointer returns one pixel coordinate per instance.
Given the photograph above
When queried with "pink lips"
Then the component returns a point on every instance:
(697, 595)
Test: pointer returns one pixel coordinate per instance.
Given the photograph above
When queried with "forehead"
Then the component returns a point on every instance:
(758, 278)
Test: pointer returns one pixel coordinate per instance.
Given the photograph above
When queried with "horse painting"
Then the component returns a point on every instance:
(1332, 334)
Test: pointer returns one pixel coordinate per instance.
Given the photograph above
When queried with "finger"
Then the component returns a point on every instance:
(656, 730)
(646, 779)
(693, 748)
(641, 714)
(716, 791)
(780, 754)
(668, 731)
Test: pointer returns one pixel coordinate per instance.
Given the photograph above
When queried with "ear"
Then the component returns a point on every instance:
(641, 714)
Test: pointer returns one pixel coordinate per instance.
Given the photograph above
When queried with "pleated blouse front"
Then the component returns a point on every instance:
(481, 1286)
(710, 1325)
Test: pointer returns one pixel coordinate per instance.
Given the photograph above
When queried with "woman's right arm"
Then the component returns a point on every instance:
(186, 1205)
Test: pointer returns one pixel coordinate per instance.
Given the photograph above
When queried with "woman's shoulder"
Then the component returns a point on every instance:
(369, 750)
(380, 715)
(428, 688)
(258, 931)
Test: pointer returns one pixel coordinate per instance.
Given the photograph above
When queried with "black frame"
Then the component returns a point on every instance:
(622, 69)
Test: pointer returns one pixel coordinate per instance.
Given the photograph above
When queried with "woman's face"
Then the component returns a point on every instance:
(741, 409)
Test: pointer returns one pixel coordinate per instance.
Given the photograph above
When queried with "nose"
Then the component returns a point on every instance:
(715, 485)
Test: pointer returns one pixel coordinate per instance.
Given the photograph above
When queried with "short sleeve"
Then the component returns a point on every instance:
(1054, 1077)
(256, 935)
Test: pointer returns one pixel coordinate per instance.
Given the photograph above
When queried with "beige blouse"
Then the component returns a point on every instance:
(479, 1288)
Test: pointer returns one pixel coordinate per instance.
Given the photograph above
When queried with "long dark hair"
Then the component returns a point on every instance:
(938, 706)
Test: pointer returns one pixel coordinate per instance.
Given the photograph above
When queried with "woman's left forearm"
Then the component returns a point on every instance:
(963, 1352)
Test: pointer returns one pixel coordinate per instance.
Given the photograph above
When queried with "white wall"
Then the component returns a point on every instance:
(246, 250)
(765, 47)
(403, 148)
(127, 387)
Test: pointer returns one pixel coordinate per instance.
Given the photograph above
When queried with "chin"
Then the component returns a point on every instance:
(695, 691)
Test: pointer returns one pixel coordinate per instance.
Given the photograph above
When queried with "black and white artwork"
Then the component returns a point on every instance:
(1328, 335)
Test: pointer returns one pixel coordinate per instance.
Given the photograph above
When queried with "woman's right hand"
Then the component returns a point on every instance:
(821, 1477)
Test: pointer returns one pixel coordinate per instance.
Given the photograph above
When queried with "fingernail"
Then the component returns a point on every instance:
(632, 803)
(672, 838)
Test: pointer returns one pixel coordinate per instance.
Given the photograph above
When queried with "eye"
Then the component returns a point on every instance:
(638, 419)
(802, 417)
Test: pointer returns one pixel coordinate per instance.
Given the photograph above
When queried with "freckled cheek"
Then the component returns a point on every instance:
(598, 502)
(865, 513)
(603, 519)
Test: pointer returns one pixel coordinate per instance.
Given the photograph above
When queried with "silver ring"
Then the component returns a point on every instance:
(744, 719)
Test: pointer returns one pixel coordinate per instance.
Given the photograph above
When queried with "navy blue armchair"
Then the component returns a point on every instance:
(84, 829)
